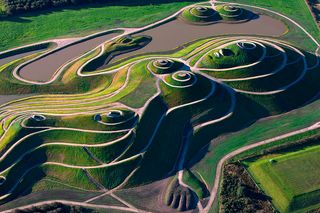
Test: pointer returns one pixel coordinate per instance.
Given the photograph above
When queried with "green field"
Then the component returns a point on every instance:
(291, 179)
(81, 20)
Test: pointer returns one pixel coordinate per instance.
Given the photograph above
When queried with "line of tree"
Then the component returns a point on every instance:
(21, 6)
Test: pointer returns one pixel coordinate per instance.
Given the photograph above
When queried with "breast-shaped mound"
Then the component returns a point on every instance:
(199, 14)
(164, 66)
(181, 79)
(115, 117)
(233, 54)
(229, 12)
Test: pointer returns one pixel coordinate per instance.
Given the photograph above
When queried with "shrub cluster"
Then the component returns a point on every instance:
(239, 194)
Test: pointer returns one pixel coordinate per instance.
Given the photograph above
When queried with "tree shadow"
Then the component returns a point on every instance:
(22, 16)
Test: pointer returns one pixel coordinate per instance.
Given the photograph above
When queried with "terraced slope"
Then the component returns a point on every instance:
(101, 126)
(90, 137)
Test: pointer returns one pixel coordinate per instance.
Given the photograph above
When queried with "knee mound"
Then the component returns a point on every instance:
(181, 79)
(115, 117)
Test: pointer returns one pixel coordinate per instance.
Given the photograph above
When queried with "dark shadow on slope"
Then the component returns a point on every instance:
(27, 171)
(246, 113)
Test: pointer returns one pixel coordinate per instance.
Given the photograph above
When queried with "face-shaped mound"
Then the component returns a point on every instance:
(233, 54)
(181, 79)
(164, 66)
(255, 66)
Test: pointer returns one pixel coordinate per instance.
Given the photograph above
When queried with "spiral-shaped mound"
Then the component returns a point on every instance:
(199, 14)
(233, 54)
(164, 66)
(201, 11)
(38, 117)
(115, 117)
(181, 79)
(230, 12)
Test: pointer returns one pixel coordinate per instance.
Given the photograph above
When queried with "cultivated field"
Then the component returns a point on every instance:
(291, 179)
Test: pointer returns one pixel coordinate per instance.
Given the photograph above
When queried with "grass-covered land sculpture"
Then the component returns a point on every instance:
(105, 134)
(202, 14)
(164, 66)
(105, 126)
